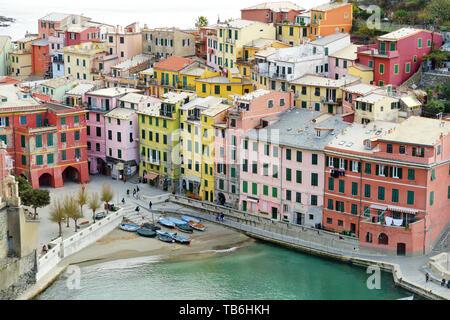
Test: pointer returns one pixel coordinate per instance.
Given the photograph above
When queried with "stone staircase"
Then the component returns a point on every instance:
(443, 243)
(134, 178)
(144, 215)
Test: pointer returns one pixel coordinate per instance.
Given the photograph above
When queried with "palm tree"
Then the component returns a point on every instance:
(72, 210)
(202, 21)
(94, 204)
(82, 198)
(107, 195)
(57, 214)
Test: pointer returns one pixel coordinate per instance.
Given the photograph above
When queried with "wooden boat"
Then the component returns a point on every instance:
(166, 222)
(184, 228)
(169, 233)
(100, 215)
(188, 218)
(197, 226)
(165, 237)
(151, 226)
(177, 221)
(181, 239)
(146, 232)
(128, 227)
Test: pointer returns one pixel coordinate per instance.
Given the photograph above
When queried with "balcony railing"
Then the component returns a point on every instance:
(230, 40)
(332, 100)
(165, 113)
(281, 76)
(58, 59)
(153, 161)
(246, 62)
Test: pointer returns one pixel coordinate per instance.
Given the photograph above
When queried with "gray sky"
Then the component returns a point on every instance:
(166, 13)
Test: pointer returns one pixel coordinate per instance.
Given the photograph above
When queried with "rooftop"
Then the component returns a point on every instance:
(329, 6)
(29, 38)
(133, 61)
(80, 89)
(353, 137)
(174, 63)
(349, 53)
(315, 80)
(41, 43)
(112, 92)
(237, 24)
(175, 97)
(195, 71)
(15, 97)
(254, 94)
(55, 17)
(58, 82)
(203, 103)
(266, 52)
(121, 113)
(360, 88)
(399, 34)
(419, 130)
(136, 98)
(280, 6)
(260, 43)
(215, 110)
(298, 129)
(373, 98)
(328, 39)
(362, 67)
(411, 101)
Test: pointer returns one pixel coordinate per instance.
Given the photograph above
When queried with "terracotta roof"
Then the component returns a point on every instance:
(174, 63)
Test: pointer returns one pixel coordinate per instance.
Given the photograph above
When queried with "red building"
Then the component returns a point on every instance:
(40, 58)
(77, 34)
(398, 55)
(47, 142)
(389, 185)
(272, 12)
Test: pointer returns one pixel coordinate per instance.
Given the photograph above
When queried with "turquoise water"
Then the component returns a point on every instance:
(258, 271)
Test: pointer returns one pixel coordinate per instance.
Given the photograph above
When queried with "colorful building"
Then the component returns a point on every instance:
(76, 97)
(272, 12)
(376, 106)
(41, 63)
(125, 74)
(21, 57)
(5, 48)
(292, 33)
(197, 142)
(56, 88)
(165, 42)
(340, 61)
(54, 22)
(124, 43)
(81, 33)
(329, 17)
(386, 183)
(351, 92)
(249, 111)
(46, 141)
(159, 141)
(398, 55)
(99, 103)
(213, 84)
(286, 178)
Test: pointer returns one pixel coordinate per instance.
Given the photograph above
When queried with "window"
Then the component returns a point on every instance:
(288, 174)
(330, 183)
(39, 160)
(77, 135)
(274, 192)
(39, 141)
(254, 188)
(341, 186)
(389, 148)
(63, 137)
(298, 176)
(299, 156)
(354, 209)
(419, 43)
(367, 190)
(411, 174)
(298, 197)
(314, 179)
(395, 195)
(354, 188)
(368, 168)
(23, 120)
(395, 68)
(408, 67)
(401, 149)
(410, 197)
(288, 154)
(381, 193)
(63, 153)
(314, 158)
(381, 68)
(50, 158)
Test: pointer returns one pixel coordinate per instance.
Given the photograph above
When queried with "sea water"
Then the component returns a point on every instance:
(258, 271)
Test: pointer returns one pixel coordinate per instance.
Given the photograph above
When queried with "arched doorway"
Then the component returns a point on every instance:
(101, 166)
(70, 174)
(401, 249)
(45, 180)
(383, 239)
(221, 198)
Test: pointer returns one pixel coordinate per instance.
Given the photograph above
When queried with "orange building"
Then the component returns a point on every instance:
(40, 58)
(330, 18)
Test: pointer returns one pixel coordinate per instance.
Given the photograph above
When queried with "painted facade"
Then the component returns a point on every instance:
(326, 18)
(166, 42)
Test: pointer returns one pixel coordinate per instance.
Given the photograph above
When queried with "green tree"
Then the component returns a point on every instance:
(94, 204)
(201, 21)
(107, 195)
(72, 210)
(82, 198)
(445, 91)
(36, 198)
(434, 107)
(24, 185)
(438, 11)
(401, 16)
(57, 214)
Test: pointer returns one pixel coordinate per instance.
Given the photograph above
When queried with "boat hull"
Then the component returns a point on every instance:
(146, 233)
(166, 223)
(165, 238)
(185, 228)
(128, 227)
(181, 240)
(188, 218)
(197, 226)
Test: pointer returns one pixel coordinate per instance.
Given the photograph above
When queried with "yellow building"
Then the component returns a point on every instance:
(79, 59)
(214, 84)
(20, 66)
(234, 35)
(376, 107)
(318, 93)
(292, 33)
(362, 71)
(197, 120)
(159, 142)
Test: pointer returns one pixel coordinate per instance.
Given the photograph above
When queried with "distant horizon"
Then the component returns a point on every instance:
(152, 14)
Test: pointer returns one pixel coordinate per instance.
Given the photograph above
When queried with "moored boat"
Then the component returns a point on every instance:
(177, 221)
(184, 228)
(169, 233)
(197, 226)
(146, 232)
(165, 237)
(181, 239)
(151, 226)
(188, 218)
(166, 222)
(128, 227)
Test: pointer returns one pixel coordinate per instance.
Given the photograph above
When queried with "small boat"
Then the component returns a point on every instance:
(166, 222)
(146, 232)
(100, 215)
(165, 237)
(181, 239)
(184, 228)
(197, 226)
(188, 218)
(128, 227)
(169, 233)
(177, 221)
(407, 298)
(151, 226)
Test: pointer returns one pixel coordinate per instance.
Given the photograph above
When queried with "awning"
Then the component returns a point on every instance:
(151, 176)
(403, 210)
(378, 206)
(252, 199)
(119, 166)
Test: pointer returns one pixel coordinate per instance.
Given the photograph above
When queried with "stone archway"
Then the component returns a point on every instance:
(71, 174)
(383, 239)
(45, 179)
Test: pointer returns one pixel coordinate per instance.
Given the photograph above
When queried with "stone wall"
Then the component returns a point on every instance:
(414, 79)
(16, 275)
(431, 79)
(3, 234)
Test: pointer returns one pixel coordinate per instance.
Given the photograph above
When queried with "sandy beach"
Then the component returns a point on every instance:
(120, 244)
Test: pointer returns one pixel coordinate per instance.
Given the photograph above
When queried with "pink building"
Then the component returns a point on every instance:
(124, 42)
(76, 34)
(268, 12)
(100, 102)
(212, 51)
(251, 110)
(285, 172)
(341, 60)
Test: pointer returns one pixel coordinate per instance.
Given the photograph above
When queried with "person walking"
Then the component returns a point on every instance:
(128, 193)
(217, 216)
(137, 189)
(222, 216)
(134, 193)
(123, 201)
(427, 277)
(150, 204)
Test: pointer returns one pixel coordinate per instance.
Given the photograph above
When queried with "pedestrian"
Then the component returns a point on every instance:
(128, 193)
(443, 282)
(137, 189)
(134, 193)
(217, 217)
(123, 201)
(150, 204)
(427, 277)
(448, 284)
(222, 216)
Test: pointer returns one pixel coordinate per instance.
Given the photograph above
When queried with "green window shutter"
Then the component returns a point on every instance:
(245, 186)
(50, 158)
(380, 193)
(288, 174)
(63, 155)
(411, 174)
(298, 176)
(448, 193)
(254, 188)
(24, 160)
(288, 154)
(341, 186)
(367, 190)
(354, 208)
(314, 158)
(76, 119)
(39, 160)
(3, 138)
(354, 188)
(368, 168)
(431, 198)
(77, 135)
(395, 195)
(299, 156)
(330, 183)
(266, 190)
(330, 204)
(433, 175)
(22, 141)
(49, 139)
(274, 192)
(314, 179)
(39, 141)
(63, 137)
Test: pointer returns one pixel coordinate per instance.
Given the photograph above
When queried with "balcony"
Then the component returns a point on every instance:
(280, 76)
(43, 129)
(193, 117)
(330, 100)
(57, 59)
(165, 113)
(153, 161)
(245, 62)
(230, 40)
